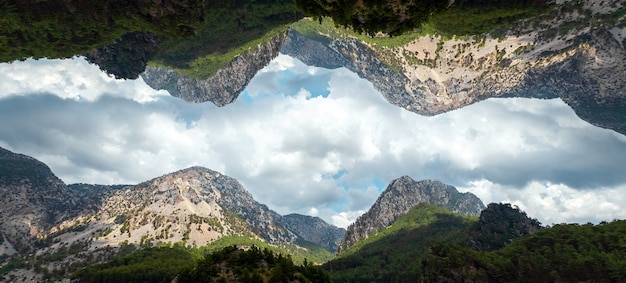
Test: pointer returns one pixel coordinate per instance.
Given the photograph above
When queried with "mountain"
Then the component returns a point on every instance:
(194, 205)
(398, 198)
(395, 253)
(314, 229)
(73, 225)
(223, 87)
(574, 52)
(32, 200)
(561, 253)
(431, 244)
(498, 225)
(465, 53)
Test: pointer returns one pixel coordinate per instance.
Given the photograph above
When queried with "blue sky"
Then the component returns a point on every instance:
(312, 141)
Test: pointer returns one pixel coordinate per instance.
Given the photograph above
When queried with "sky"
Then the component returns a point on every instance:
(313, 141)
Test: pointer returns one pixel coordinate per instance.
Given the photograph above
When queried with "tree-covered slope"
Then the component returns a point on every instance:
(562, 253)
(395, 254)
(227, 264)
(62, 29)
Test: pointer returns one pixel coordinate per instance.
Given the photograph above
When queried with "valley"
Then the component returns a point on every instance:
(82, 231)
(200, 225)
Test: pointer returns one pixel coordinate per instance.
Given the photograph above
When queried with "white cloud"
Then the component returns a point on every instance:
(556, 203)
(299, 151)
(69, 79)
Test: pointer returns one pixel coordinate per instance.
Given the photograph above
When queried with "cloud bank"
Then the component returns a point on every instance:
(312, 141)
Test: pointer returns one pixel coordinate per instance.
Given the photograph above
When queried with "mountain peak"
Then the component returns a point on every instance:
(402, 194)
(314, 229)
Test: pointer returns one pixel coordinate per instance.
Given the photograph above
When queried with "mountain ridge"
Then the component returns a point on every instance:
(574, 52)
(399, 197)
(537, 58)
(194, 206)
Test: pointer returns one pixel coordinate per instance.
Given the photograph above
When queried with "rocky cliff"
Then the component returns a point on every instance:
(575, 52)
(32, 201)
(195, 205)
(314, 229)
(41, 216)
(402, 194)
(223, 87)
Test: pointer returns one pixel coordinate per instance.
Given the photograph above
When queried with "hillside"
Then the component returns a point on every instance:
(562, 253)
(394, 254)
(314, 229)
(49, 226)
(399, 197)
(574, 50)
(398, 253)
(440, 58)
(32, 200)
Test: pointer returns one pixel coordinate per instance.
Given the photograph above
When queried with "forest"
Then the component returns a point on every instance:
(428, 244)
(503, 245)
(62, 29)
(395, 17)
(228, 264)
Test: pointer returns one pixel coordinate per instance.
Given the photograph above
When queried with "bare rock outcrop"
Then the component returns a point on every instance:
(32, 201)
(223, 87)
(575, 52)
(314, 230)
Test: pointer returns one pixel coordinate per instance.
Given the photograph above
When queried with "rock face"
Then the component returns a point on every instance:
(32, 200)
(584, 64)
(402, 194)
(314, 229)
(222, 88)
(355, 56)
(195, 206)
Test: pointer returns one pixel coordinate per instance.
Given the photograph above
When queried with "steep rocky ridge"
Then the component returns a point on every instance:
(194, 205)
(314, 229)
(68, 225)
(32, 200)
(402, 194)
(223, 87)
(575, 53)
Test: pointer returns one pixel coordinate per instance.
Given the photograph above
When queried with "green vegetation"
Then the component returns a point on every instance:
(462, 19)
(164, 262)
(158, 264)
(62, 29)
(230, 28)
(504, 245)
(12, 264)
(392, 17)
(195, 38)
(231, 264)
(305, 252)
(562, 253)
(397, 18)
(468, 20)
(213, 222)
(395, 254)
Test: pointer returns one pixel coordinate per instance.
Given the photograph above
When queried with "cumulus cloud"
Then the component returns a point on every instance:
(304, 139)
(69, 79)
(556, 203)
